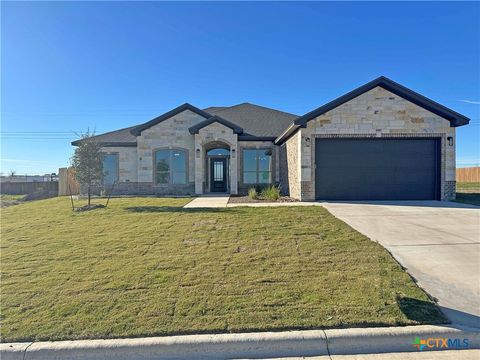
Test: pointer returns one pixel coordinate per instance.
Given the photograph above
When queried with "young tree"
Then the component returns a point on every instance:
(87, 162)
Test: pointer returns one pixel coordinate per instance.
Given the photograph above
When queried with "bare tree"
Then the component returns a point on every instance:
(87, 162)
(12, 173)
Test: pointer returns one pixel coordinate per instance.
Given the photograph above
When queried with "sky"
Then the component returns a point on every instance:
(67, 67)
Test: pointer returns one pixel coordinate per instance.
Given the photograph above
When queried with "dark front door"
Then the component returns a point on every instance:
(377, 169)
(218, 175)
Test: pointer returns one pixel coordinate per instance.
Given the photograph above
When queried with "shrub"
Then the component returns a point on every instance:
(271, 192)
(252, 193)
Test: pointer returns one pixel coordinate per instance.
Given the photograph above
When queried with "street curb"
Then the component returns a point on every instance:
(245, 345)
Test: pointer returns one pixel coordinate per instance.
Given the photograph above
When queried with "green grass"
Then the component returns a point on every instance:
(145, 266)
(468, 193)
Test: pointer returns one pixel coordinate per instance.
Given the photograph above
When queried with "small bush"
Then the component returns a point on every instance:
(252, 193)
(271, 192)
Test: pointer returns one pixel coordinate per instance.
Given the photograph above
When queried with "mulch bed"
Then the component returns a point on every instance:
(246, 199)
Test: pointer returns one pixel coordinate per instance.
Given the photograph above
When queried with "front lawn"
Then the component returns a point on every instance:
(146, 266)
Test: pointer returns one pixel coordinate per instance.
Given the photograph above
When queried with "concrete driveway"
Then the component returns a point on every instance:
(438, 243)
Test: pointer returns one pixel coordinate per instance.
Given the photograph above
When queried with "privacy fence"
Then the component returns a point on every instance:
(13, 188)
(471, 174)
(67, 185)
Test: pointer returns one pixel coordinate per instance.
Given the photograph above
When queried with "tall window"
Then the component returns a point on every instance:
(110, 168)
(170, 167)
(257, 166)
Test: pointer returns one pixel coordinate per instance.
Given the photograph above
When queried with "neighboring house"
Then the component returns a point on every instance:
(380, 141)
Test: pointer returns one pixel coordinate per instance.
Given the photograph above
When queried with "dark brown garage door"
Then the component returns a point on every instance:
(377, 169)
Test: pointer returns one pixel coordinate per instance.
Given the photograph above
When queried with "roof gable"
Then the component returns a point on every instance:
(455, 118)
(138, 129)
(195, 129)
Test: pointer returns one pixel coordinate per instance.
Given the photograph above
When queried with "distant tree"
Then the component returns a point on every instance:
(87, 162)
(12, 173)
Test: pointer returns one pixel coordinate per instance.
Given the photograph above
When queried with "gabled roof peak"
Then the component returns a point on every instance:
(455, 118)
(195, 128)
(138, 129)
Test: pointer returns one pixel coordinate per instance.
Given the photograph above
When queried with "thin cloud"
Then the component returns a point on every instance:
(471, 102)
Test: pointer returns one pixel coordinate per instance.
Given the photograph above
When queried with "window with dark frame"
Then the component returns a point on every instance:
(257, 166)
(110, 168)
(170, 167)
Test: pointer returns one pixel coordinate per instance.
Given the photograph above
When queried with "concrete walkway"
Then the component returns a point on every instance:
(437, 242)
(208, 201)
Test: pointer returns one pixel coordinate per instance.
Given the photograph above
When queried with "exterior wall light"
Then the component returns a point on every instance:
(233, 153)
(197, 152)
(307, 140)
(450, 141)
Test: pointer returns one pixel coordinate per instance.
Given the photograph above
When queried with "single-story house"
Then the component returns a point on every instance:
(381, 141)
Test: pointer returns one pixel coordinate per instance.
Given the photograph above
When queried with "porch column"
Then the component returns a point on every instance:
(234, 168)
(199, 166)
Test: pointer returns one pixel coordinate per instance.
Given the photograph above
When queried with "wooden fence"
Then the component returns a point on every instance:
(14, 188)
(471, 174)
(66, 178)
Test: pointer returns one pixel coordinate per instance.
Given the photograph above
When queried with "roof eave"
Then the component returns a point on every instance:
(109, 143)
(287, 133)
(196, 128)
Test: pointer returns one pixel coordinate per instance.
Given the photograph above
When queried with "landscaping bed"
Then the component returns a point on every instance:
(239, 199)
(147, 267)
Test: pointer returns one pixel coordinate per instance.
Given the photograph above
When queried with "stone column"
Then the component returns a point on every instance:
(199, 165)
(234, 168)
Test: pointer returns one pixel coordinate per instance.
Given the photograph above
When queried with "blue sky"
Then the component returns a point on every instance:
(69, 66)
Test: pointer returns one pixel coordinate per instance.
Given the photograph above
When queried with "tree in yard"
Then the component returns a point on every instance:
(87, 162)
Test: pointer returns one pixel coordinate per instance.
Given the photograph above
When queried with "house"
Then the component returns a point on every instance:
(380, 141)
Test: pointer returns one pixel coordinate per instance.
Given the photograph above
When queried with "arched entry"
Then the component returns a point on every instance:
(218, 167)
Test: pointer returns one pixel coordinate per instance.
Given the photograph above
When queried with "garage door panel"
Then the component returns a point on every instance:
(376, 169)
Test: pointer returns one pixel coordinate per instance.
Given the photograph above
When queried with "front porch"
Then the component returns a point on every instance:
(216, 169)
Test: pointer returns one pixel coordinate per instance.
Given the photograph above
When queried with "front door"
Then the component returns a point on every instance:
(218, 175)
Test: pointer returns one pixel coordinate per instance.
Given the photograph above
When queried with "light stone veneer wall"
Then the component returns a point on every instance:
(290, 176)
(212, 134)
(381, 113)
(169, 134)
(127, 162)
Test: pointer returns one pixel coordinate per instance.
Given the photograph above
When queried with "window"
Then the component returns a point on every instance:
(257, 166)
(170, 167)
(218, 151)
(110, 168)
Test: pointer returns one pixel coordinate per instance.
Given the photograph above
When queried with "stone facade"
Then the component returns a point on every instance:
(127, 162)
(376, 113)
(291, 170)
(210, 136)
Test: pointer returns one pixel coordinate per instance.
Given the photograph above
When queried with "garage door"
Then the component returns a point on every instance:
(377, 169)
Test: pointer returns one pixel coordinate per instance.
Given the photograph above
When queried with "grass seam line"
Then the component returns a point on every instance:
(25, 351)
(326, 342)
